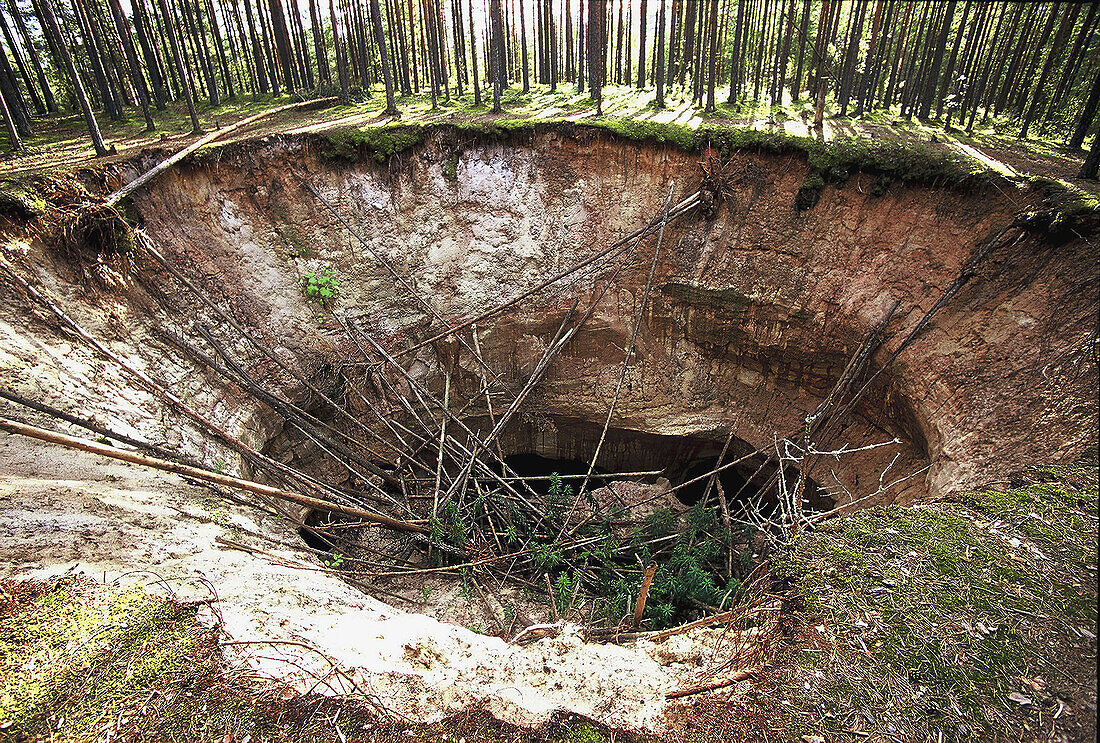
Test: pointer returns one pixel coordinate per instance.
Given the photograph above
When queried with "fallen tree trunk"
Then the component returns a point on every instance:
(182, 469)
(150, 174)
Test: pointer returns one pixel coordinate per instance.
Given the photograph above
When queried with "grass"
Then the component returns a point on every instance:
(942, 619)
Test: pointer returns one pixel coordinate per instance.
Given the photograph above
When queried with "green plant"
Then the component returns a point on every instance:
(546, 557)
(321, 285)
(335, 562)
(564, 586)
(558, 496)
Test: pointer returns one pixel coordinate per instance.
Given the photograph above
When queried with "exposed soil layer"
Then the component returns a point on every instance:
(755, 313)
(757, 308)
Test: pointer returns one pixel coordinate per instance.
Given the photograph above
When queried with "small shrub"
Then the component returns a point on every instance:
(321, 285)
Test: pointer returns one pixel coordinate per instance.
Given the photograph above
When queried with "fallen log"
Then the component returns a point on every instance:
(153, 172)
(182, 469)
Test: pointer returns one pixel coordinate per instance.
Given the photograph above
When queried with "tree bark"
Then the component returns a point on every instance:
(383, 53)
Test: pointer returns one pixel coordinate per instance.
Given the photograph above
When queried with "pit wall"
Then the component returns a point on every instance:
(754, 313)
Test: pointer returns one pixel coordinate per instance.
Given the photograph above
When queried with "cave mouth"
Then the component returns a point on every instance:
(542, 446)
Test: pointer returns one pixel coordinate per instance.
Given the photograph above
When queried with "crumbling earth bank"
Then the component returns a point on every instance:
(755, 314)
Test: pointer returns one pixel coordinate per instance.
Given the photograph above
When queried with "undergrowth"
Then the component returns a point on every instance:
(694, 573)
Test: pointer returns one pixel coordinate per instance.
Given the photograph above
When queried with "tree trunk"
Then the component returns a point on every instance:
(383, 54)
(473, 57)
(948, 85)
(1092, 160)
(1056, 45)
(184, 73)
(132, 60)
(36, 61)
(641, 45)
(553, 33)
(712, 76)
(16, 53)
(1019, 100)
(851, 58)
(319, 50)
(49, 23)
(341, 53)
(282, 45)
(459, 45)
(1088, 113)
(164, 52)
(257, 50)
(661, 54)
(95, 58)
(1073, 60)
(9, 124)
(219, 48)
(9, 91)
(496, 50)
(523, 49)
(687, 59)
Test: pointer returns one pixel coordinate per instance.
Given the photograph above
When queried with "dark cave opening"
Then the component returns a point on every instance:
(542, 445)
(538, 471)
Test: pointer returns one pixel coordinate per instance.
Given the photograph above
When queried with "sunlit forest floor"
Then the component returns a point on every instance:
(64, 144)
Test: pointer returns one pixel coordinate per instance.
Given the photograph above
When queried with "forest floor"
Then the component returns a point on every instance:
(63, 143)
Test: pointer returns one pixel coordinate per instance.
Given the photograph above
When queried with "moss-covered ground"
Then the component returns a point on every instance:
(901, 145)
(82, 662)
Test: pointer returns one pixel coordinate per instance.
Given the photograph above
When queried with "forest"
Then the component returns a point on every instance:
(1029, 68)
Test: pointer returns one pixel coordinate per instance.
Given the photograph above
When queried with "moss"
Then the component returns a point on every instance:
(70, 657)
(679, 135)
(379, 142)
(1065, 209)
(21, 200)
(450, 167)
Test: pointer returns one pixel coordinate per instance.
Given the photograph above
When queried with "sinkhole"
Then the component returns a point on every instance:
(501, 322)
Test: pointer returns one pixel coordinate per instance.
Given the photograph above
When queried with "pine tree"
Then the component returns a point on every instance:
(49, 25)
